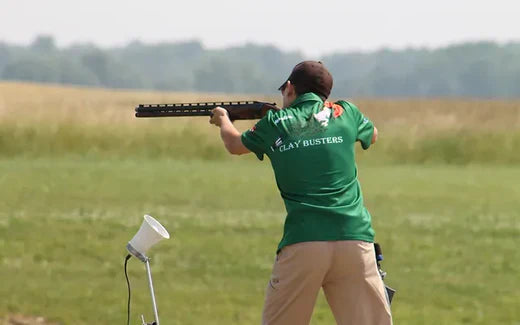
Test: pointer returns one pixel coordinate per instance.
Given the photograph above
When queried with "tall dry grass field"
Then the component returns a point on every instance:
(48, 120)
(25, 102)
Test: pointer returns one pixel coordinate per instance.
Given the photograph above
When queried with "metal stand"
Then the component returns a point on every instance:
(146, 261)
(150, 284)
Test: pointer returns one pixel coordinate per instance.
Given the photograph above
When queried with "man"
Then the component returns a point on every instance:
(328, 237)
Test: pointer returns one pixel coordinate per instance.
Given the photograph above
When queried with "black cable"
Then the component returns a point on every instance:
(128, 283)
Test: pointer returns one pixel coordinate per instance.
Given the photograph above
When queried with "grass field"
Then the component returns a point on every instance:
(77, 173)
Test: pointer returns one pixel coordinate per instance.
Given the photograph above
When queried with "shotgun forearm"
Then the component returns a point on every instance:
(246, 110)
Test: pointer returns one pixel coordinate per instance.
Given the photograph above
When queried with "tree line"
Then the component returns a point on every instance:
(478, 69)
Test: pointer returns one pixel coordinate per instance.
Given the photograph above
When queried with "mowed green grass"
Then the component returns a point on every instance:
(449, 233)
(78, 172)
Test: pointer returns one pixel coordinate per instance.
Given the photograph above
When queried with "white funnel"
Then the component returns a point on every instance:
(150, 233)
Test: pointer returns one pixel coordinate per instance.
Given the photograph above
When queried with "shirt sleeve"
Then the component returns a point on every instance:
(261, 136)
(365, 127)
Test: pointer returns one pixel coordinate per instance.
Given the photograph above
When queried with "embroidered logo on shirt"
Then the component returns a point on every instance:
(277, 144)
(329, 109)
(283, 118)
(338, 109)
(323, 116)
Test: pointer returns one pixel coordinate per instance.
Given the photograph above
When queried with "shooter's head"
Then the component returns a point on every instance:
(307, 76)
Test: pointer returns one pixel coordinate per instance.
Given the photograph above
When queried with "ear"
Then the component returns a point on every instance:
(290, 88)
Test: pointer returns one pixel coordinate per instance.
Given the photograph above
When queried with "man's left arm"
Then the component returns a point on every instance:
(229, 134)
(374, 136)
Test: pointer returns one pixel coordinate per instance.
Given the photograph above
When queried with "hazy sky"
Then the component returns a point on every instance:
(313, 27)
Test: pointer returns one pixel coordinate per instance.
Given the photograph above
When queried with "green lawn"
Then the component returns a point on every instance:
(450, 235)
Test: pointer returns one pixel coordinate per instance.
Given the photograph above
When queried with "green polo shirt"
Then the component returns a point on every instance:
(311, 149)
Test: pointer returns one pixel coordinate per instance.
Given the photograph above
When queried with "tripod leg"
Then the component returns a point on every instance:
(149, 272)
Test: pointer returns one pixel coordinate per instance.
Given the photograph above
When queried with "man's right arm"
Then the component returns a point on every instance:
(229, 134)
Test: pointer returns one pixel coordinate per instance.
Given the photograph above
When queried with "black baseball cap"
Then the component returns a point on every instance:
(311, 76)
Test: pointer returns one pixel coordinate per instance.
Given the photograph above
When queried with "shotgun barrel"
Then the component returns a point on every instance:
(241, 110)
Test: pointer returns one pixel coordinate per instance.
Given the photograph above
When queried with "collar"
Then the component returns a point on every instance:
(306, 98)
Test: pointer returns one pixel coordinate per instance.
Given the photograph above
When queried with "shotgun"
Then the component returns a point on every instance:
(244, 110)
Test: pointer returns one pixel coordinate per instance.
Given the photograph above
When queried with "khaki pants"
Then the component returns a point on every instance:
(346, 270)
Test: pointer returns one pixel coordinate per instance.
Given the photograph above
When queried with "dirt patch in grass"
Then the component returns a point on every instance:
(25, 320)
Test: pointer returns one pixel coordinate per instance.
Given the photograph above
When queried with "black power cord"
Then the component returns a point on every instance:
(128, 283)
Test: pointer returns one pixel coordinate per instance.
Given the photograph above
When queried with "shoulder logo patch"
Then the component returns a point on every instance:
(336, 108)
